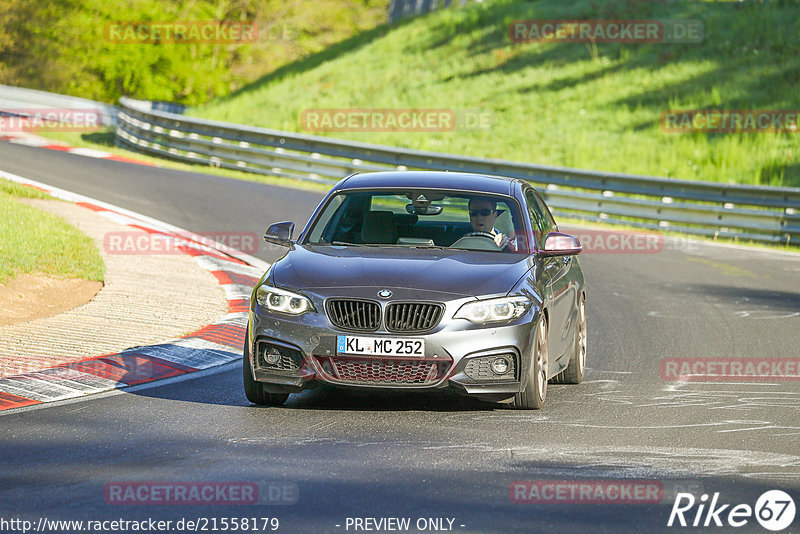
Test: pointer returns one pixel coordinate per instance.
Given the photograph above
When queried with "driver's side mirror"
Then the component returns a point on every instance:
(560, 244)
(280, 233)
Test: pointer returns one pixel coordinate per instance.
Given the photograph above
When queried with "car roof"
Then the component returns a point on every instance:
(459, 181)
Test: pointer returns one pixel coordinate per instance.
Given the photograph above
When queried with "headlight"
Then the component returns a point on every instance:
(493, 310)
(282, 301)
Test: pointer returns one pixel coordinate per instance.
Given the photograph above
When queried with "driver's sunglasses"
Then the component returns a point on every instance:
(482, 213)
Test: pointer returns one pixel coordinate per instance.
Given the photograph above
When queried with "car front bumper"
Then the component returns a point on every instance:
(457, 356)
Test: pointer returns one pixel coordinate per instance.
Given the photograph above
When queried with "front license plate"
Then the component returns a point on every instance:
(380, 346)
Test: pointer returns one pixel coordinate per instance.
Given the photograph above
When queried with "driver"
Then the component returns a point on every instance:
(482, 216)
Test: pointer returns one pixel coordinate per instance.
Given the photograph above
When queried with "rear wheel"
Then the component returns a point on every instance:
(532, 398)
(573, 374)
(254, 391)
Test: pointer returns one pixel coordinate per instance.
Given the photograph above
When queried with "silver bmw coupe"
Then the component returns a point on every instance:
(420, 281)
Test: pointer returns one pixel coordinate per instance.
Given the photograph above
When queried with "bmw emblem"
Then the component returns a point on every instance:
(384, 293)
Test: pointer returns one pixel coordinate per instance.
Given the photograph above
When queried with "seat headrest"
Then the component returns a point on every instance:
(379, 228)
(505, 223)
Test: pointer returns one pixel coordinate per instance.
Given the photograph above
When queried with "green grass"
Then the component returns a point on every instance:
(559, 103)
(34, 241)
(14, 189)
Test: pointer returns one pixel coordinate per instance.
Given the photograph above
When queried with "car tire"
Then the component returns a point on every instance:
(576, 367)
(254, 391)
(533, 396)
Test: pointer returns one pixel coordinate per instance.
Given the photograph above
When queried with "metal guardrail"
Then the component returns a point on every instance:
(153, 105)
(758, 213)
(21, 99)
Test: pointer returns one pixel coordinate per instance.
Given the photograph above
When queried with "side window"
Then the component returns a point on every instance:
(324, 222)
(537, 217)
(550, 222)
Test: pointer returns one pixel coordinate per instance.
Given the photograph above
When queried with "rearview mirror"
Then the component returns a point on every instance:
(559, 244)
(429, 209)
(280, 233)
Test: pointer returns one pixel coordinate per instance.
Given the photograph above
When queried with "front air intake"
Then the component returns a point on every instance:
(412, 317)
(353, 314)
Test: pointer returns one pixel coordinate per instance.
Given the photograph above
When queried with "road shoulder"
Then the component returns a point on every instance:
(137, 328)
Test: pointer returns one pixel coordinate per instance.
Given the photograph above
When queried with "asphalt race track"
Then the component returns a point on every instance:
(329, 455)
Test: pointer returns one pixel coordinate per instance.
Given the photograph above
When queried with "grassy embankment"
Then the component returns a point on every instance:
(568, 104)
(34, 241)
(571, 104)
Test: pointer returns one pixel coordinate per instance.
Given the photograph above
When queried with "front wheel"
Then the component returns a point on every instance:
(254, 391)
(532, 397)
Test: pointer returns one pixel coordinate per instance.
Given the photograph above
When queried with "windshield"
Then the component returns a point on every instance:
(421, 218)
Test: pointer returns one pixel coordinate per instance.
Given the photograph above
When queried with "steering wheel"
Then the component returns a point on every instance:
(479, 234)
(469, 242)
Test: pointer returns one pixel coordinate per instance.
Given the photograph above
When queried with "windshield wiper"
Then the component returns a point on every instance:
(346, 244)
(386, 245)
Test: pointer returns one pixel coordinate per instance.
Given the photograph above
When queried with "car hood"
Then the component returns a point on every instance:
(454, 272)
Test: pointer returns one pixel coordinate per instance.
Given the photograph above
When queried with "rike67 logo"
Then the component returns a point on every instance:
(774, 510)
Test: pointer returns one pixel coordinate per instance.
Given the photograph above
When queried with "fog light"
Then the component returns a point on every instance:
(500, 365)
(273, 356)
